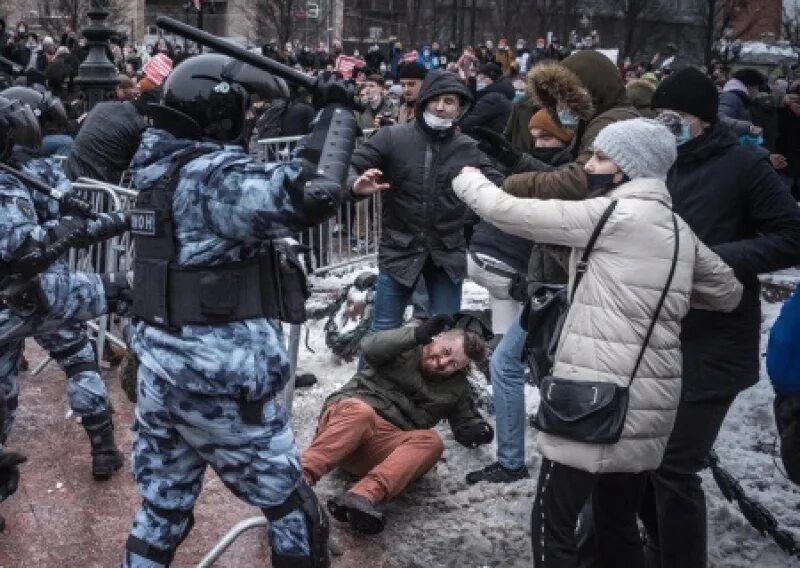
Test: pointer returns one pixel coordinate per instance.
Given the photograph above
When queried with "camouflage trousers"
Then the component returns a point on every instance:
(71, 299)
(178, 434)
(86, 390)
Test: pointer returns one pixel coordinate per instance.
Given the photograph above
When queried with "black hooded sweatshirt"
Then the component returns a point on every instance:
(421, 217)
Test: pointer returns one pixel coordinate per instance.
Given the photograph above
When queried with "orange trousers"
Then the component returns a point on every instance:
(353, 437)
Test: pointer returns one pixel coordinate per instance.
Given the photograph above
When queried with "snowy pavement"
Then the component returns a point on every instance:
(439, 522)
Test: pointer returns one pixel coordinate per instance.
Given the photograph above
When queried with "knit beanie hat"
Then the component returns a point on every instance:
(412, 70)
(491, 70)
(158, 68)
(642, 148)
(688, 90)
(543, 121)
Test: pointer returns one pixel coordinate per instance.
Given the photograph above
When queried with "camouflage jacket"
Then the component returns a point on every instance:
(226, 208)
(25, 214)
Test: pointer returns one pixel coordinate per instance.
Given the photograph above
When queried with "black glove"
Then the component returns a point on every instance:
(108, 225)
(72, 228)
(473, 434)
(9, 473)
(497, 146)
(424, 333)
(330, 89)
(118, 290)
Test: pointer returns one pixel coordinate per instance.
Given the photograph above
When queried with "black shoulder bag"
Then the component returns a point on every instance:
(593, 412)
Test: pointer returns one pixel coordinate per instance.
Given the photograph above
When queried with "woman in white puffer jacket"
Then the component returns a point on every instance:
(605, 329)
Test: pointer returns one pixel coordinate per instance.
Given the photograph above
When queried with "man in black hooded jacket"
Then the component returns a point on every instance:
(737, 204)
(423, 221)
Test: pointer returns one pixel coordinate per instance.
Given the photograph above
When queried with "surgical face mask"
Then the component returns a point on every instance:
(598, 184)
(519, 96)
(436, 123)
(481, 86)
(751, 140)
(684, 136)
(568, 119)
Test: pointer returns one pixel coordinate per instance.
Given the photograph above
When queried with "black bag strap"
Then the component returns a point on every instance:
(660, 300)
(580, 268)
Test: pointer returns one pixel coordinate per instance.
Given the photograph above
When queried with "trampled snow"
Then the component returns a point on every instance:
(441, 521)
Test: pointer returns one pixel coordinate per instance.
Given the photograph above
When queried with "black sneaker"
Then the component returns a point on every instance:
(359, 511)
(305, 380)
(496, 473)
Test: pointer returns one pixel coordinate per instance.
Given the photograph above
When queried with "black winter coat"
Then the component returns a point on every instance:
(108, 139)
(492, 109)
(789, 140)
(421, 216)
(735, 202)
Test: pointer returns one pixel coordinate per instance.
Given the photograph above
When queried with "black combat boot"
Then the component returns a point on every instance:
(362, 514)
(106, 458)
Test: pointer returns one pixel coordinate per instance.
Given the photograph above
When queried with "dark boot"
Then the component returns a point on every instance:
(359, 511)
(106, 458)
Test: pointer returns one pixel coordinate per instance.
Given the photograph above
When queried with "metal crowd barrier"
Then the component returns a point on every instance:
(349, 239)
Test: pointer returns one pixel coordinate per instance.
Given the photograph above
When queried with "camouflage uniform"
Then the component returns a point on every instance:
(69, 346)
(192, 383)
(72, 298)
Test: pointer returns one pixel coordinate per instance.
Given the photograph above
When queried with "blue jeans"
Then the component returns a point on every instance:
(391, 297)
(508, 388)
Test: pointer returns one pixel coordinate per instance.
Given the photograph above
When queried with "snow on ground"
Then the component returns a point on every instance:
(441, 521)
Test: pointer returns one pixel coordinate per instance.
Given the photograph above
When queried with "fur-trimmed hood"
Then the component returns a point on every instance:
(551, 84)
(585, 81)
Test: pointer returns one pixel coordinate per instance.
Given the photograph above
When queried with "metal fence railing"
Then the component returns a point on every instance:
(348, 239)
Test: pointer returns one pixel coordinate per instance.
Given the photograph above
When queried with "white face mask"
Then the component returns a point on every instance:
(436, 123)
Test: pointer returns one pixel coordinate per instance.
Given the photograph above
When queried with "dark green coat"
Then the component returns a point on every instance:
(392, 384)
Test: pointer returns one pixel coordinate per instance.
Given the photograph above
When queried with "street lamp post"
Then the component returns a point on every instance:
(97, 76)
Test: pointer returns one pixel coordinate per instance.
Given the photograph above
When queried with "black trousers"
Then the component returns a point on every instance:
(561, 494)
(674, 508)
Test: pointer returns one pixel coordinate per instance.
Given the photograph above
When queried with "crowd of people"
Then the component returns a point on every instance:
(647, 197)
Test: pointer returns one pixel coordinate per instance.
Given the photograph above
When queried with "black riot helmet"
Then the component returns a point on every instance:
(18, 126)
(206, 97)
(47, 108)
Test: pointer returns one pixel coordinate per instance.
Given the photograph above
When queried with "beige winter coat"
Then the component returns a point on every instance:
(614, 304)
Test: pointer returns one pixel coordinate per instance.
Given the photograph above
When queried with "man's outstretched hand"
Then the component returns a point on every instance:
(369, 183)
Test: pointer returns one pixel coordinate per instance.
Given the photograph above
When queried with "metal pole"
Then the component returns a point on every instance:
(294, 350)
(229, 538)
(472, 23)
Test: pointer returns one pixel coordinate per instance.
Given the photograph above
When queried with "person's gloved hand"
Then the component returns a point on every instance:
(330, 89)
(497, 146)
(71, 228)
(473, 434)
(9, 473)
(425, 332)
(118, 288)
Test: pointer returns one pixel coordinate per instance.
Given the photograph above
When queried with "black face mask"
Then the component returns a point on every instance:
(599, 184)
(546, 155)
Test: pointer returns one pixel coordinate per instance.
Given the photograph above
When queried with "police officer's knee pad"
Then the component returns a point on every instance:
(304, 498)
(162, 556)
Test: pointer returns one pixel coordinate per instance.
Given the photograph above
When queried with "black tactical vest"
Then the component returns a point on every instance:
(271, 285)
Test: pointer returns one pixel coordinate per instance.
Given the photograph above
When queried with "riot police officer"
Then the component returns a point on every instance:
(210, 284)
(69, 346)
(48, 302)
(52, 116)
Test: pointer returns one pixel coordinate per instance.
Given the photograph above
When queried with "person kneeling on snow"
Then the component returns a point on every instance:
(378, 426)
